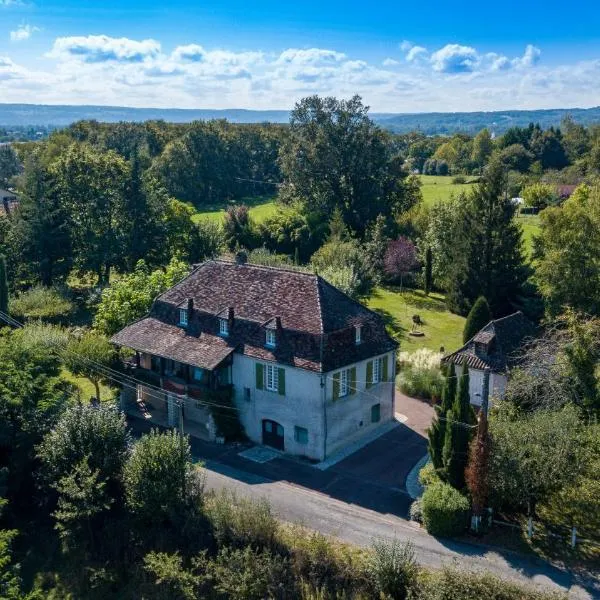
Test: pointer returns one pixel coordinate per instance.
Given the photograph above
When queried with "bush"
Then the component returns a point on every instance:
(40, 302)
(445, 510)
(395, 569)
(428, 475)
(420, 375)
(415, 512)
(459, 180)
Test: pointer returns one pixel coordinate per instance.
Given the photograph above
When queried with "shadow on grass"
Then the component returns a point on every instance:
(249, 201)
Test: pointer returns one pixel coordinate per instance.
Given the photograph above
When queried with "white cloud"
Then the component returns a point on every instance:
(390, 62)
(7, 3)
(312, 56)
(102, 48)
(529, 59)
(22, 33)
(405, 45)
(454, 58)
(416, 53)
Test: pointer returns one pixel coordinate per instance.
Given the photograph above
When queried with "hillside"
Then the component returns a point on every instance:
(430, 123)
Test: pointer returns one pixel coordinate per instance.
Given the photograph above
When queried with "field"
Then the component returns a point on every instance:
(530, 224)
(438, 187)
(261, 207)
(441, 327)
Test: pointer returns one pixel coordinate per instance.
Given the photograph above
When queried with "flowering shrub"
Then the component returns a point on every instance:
(420, 374)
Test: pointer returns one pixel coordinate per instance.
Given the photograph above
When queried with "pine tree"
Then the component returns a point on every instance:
(437, 431)
(487, 256)
(459, 431)
(3, 285)
(479, 316)
(428, 271)
(476, 474)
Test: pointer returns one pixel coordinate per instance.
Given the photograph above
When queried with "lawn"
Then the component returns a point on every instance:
(530, 224)
(86, 387)
(261, 208)
(441, 327)
(438, 187)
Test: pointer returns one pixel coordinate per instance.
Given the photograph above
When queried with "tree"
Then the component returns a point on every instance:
(476, 474)
(428, 271)
(459, 431)
(3, 285)
(376, 244)
(568, 253)
(487, 256)
(239, 227)
(335, 156)
(483, 146)
(10, 579)
(548, 148)
(534, 455)
(9, 164)
(130, 297)
(91, 186)
(479, 316)
(437, 431)
(87, 355)
(538, 195)
(400, 258)
(41, 228)
(516, 157)
(576, 139)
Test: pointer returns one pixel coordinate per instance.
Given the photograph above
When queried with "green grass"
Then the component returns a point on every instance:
(261, 208)
(530, 224)
(441, 327)
(86, 387)
(437, 187)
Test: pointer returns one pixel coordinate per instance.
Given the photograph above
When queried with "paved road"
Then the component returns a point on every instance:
(359, 525)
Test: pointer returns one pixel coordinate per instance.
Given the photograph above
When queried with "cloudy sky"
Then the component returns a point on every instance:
(430, 56)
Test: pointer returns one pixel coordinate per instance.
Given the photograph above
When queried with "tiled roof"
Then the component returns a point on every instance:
(502, 338)
(314, 321)
(152, 336)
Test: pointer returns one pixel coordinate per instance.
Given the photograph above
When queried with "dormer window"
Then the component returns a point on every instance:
(183, 317)
(271, 338)
(357, 334)
(223, 327)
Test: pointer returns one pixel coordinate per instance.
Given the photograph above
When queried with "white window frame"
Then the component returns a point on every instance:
(377, 370)
(358, 334)
(270, 338)
(344, 383)
(271, 378)
(223, 327)
(183, 317)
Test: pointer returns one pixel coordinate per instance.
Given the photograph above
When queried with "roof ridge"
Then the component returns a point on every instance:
(517, 312)
(290, 269)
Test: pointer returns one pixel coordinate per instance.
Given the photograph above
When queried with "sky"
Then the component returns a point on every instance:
(267, 54)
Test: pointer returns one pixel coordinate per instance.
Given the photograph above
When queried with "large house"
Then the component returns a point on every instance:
(310, 370)
(495, 346)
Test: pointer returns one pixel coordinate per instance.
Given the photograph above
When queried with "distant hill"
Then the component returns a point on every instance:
(429, 123)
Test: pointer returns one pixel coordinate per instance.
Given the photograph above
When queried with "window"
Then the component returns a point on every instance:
(183, 317)
(344, 383)
(271, 378)
(271, 338)
(376, 370)
(198, 374)
(375, 413)
(301, 435)
(357, 334)
(223, 327)
(155, 364)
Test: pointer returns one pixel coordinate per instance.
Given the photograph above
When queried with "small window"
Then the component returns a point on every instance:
(155, 364)
(198, 374)
(375, 413)
(358, 334)
(344, 382)
(183, 317)
(377, 370)
(272, 379)
(271, 338)
(301, 435)
(223, 327)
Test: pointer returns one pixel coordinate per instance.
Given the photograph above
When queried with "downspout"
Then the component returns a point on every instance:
(324, 395)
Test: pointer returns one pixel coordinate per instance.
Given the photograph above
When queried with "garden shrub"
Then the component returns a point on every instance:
(420, 375)
(459, 180)
(428, 475)
(415, 511)
(395, 569)
(40, 302)
(445, 510)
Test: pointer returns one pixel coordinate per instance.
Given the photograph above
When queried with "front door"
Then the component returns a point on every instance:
(272, 434)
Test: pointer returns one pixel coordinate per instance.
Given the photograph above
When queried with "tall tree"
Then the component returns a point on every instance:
(335, 156)
(487, 256)
(428, 271)
(479, 316)
(3, 285)
(91, 186)
(9, 164)
(459, 431)
(437, 431)
(40, 237)
(568, 253)
(483, 146)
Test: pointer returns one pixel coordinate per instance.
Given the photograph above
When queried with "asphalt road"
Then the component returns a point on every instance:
(359, 525)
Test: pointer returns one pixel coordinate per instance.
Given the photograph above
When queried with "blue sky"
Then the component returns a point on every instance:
(401, 57)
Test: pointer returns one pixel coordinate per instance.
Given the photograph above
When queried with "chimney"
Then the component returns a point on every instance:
(241, 258)
(230, 317)
(190, 307)
(278, 323)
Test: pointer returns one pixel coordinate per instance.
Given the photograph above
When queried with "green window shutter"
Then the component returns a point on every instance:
(260, 376)
(385, 368)
(336, 386)
(369, 373)
(353, 380)
(281, 382)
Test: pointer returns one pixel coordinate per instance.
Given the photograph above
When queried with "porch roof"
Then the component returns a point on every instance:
(169, 341)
